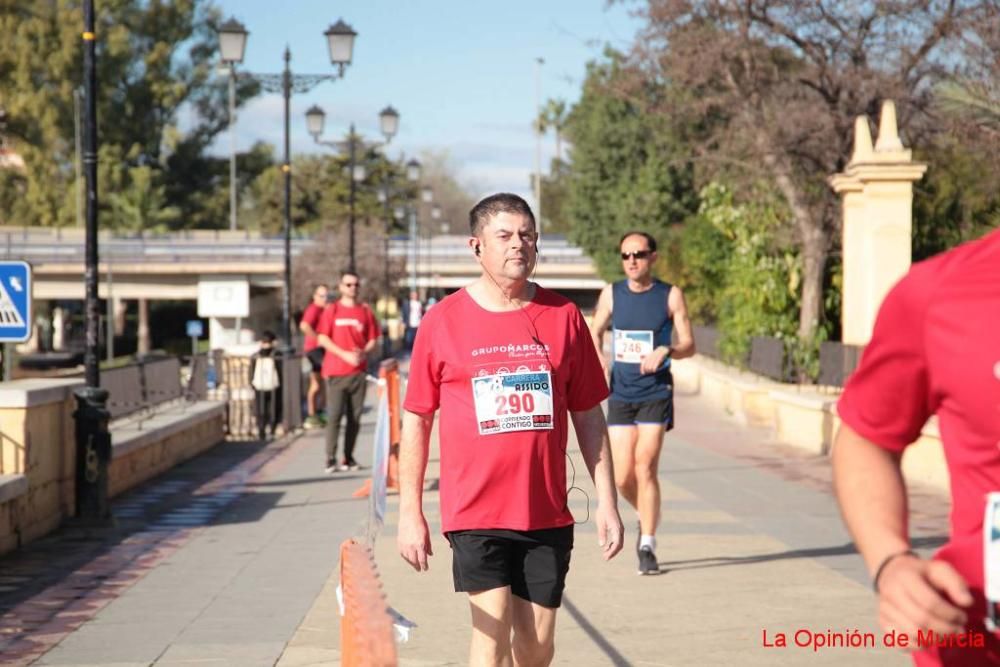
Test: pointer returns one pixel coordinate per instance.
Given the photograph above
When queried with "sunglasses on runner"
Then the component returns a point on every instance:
(637, 254)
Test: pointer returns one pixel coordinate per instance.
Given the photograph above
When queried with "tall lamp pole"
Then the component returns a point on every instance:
(93, 440)
(340, 39)
(388, 124)
(232, 45)
(413, 175)
(538, 145)
(426, 196)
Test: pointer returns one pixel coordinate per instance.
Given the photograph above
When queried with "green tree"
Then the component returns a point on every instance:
(142, 206)
(554, 117)
(956, 200)
(321, 190)
(555, 191)
(626, 173)
(787, 79)
(154, 57)
(758, 292)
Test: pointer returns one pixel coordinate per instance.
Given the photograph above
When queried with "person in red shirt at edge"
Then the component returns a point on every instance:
(505, 360)
(347, 330)
(314, 354)
(935, 350)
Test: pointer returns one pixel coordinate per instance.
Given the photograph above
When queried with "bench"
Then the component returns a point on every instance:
(139, 389)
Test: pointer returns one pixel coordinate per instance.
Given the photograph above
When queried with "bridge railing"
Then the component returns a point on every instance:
(56, 245)
(142, 386)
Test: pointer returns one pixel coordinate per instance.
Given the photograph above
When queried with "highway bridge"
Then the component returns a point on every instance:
(176, 266)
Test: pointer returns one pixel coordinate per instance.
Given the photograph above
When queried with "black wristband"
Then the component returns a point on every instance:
(885, 561)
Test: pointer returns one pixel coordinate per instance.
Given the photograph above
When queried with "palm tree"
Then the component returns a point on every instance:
(977, 101)
(554, 116)
(142, 206)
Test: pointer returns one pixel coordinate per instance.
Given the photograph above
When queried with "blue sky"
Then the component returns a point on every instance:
(461, 73)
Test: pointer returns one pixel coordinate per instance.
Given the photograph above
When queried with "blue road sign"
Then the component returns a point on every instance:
(195, 328)
(15, 302)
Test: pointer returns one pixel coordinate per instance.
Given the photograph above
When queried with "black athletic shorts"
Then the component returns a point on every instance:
(659, 411)
(315, 357)
(533, 563)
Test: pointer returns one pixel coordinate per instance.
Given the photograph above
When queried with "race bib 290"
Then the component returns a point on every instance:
(513, 402)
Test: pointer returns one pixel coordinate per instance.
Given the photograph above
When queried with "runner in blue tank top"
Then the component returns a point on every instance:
(642, 313)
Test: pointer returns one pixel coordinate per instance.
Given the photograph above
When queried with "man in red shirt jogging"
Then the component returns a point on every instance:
(505, 361)
(935, 350)
(347, 330)
(314, 353)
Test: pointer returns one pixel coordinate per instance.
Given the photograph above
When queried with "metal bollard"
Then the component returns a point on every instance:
(93, 454)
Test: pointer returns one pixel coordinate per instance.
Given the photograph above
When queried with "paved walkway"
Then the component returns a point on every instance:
(232, 560)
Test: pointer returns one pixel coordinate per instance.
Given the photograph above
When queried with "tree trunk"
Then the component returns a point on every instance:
(813, 246)
(812, 240)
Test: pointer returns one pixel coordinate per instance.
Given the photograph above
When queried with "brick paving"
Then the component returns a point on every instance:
(54, 586)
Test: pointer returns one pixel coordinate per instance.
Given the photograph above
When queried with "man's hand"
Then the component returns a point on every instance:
(414, 541)
(652, 361)
(916, 594)
(352, 357)
(610, 533)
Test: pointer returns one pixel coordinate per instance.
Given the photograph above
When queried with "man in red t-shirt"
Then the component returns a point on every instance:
(935, 350)
(505, 361)
(314, 353)
(347, 330)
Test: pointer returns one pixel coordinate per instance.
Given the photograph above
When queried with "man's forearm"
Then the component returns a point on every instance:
(683, 349)
(414, 444)
(327, 344)
(598, 337)
(872, 496)
(592, 435)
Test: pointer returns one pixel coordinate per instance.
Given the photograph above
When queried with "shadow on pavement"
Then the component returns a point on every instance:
(845, 549)
(144, 518)
(614, 657)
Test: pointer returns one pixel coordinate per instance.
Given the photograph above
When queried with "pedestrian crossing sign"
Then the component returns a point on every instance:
(15, 302)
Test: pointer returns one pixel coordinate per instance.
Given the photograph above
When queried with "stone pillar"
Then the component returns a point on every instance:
(120, 311)
(877, 200)
(58, 328)
(142, 336)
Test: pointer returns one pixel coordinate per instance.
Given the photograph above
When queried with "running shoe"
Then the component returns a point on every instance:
(647, 561)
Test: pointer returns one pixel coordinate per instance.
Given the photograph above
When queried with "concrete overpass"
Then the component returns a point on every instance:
(169, 266)
(172, 266)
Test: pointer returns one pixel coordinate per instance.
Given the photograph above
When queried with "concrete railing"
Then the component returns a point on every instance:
(38, 452)
(801, 415)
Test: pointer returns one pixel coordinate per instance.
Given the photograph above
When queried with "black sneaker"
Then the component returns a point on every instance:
(647, 561)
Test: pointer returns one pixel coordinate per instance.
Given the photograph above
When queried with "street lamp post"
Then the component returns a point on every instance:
(426, 196)
(388, 124)
(340, 40)
(232, 45)
(384, 193)
(413, 175)
(538, 145)
(93, 440)
(436, 217)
